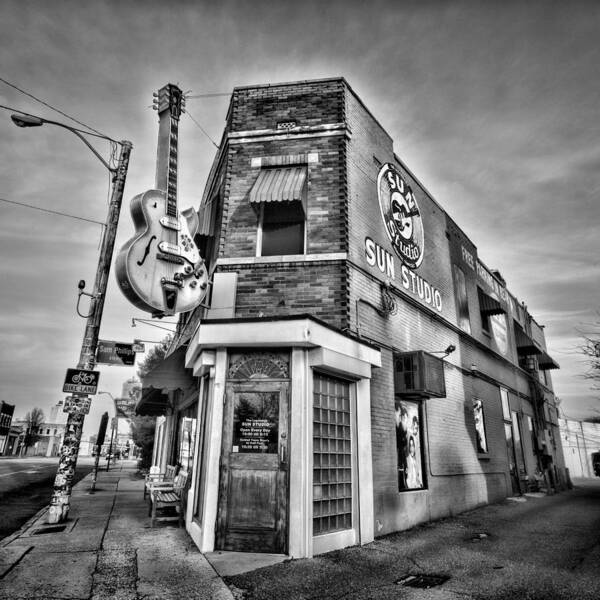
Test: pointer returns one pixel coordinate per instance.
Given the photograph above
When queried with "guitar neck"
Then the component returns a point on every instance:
(172, 170)
(169, 107)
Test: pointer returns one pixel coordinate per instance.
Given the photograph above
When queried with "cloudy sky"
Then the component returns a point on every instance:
(493, 105)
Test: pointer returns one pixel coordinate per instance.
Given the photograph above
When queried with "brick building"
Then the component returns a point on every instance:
(359, 369)
(6, 415)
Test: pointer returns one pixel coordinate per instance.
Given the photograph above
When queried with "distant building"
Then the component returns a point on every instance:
(6, 416)
(580, 439)
(50, 434)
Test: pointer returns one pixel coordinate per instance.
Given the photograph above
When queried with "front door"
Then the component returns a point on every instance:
(252, 512)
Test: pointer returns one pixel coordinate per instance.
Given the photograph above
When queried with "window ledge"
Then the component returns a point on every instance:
(256, 260)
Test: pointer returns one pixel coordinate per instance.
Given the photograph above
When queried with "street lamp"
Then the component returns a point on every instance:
(61, 497)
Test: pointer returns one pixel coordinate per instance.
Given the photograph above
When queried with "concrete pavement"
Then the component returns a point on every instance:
(106, 550)
(534, 547)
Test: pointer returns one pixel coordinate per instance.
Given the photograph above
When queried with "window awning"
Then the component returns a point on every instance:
(525, 345)
(283, 184)
(206, 215)
(488, 305)
(169, 375)
(546, 362)
(153, 403)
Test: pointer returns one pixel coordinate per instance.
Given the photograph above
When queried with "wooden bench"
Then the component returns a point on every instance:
(163, 496)
(156, 477)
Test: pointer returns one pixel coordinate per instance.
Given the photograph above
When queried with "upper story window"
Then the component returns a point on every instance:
(281, 229)
(462, 303)
(488, 306)
(279, 196)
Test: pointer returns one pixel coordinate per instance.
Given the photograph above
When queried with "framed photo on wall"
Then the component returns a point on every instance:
(480, 435)
(409, 445)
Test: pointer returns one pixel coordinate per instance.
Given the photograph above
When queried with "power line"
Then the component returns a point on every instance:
(202, 129)
(214, 95)
(98, 135)
(54, 212)
(51, 107)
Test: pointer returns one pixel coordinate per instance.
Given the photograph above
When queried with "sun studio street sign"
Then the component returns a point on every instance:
(116, 353)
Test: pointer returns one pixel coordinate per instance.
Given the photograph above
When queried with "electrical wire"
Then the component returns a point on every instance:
(202, 129)
(54, 212)
(12, 85)
(214, 95)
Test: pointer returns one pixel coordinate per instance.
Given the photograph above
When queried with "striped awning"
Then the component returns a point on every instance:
(282, 184)
(546, 362)
(488, 305)
(525, 345)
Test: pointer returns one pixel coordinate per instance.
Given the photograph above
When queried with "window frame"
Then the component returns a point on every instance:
(260, 235)
(462, 299)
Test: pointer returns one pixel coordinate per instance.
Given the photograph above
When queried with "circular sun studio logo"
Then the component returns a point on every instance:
(401, 216)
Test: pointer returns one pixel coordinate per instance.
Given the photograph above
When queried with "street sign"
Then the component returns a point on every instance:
(77, 405)
(138, 346)
(125, 407)
(80, 381)
(115, 353)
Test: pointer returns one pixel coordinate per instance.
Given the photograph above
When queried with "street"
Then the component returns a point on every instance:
(531, 548)
(26, 486)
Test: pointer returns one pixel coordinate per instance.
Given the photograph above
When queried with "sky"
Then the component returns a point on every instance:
(493, 105)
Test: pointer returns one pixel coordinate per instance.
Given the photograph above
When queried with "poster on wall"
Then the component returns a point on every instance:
(256, 422)
(409, 445)
(482, 446)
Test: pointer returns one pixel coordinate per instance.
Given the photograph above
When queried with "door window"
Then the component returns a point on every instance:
(256, 422)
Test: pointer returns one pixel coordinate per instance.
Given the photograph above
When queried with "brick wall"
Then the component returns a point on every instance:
(273, 289)
(326, 222)
(368, 148)
(308, 103)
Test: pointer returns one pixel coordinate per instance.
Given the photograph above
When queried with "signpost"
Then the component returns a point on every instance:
(116, 353)
(81, 381)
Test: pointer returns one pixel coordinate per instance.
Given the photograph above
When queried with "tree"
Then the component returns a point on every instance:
(156, 355)
(34, 419)
(142, 433)
(142, 428)
(591, 350)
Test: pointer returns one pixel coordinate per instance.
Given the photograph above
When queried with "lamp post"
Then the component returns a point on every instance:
(61, 497)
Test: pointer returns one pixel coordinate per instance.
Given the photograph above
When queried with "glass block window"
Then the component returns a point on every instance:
(332, 455)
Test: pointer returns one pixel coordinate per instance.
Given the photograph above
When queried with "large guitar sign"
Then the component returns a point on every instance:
(160, 269)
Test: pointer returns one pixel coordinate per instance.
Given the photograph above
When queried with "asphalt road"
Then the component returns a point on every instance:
(26, 487)
(537, 548)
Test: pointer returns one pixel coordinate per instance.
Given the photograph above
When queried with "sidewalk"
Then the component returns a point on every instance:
(107, 549)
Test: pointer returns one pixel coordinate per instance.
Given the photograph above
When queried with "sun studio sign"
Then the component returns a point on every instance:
(404, 228)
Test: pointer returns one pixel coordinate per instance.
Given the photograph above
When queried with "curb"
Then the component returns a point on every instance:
(27, 525)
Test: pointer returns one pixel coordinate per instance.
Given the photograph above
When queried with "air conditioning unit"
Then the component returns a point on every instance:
(419, 374)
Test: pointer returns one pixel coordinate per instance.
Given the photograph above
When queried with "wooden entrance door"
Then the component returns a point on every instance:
(252, 513)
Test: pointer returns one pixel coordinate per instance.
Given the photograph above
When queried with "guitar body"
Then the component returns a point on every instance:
(159, 269)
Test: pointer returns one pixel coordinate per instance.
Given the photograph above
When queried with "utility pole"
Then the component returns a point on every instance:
(60, 501)
(61, 497)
